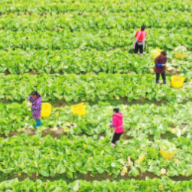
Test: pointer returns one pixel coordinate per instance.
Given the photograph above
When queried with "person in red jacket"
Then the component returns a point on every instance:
(140, 41)
(118, 127)
(160, 66)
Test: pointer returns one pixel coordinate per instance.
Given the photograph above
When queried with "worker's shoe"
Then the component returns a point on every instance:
(164, 81)
(117, 142)
(112, 145)
(157, 82)
(38, 123)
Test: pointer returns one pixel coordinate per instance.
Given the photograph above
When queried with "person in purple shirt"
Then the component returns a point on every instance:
(36, 100)
(160, 66)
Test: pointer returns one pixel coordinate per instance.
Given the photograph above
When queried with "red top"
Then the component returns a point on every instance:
(141, 37)
(161, 60)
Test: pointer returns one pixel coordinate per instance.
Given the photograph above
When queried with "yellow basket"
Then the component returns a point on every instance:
(177, 81)
(78, 109)
(180, 55)
(167, 155)
(156, 52)
(46, 110)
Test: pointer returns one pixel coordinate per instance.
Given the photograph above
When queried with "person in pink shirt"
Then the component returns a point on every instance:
(139, 43)
(118, 127)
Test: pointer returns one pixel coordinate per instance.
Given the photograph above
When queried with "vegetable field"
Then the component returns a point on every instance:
(82, 51)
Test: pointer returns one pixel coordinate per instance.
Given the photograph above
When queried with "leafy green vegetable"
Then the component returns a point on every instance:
(168, 147)
(180, 49)
(137, 119)
(150, 185)
(72, 155)
(93, 40)
(92, 6)
(90, 87)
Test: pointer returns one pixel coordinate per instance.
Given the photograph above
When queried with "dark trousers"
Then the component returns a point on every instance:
(138, 48)
(116, 137)
(162, 75)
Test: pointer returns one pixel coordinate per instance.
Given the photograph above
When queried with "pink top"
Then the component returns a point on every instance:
(118, 122)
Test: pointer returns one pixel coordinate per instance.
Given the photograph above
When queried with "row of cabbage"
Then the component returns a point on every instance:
(103, 40)
(148, 119)
(95, 21)
(73, 61)
(91, 87)
(91, 6)
(78, 62)
(74, 156)
(150, 185)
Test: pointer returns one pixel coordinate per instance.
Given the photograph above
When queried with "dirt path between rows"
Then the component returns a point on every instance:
(55, 133)
(114, 101)
(88, 177)
(58, 132)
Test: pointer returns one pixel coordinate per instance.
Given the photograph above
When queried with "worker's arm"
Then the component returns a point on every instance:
(136, 34)
(29, 98)
(114, 122)
(159, 65)
(158, 62)
(112, 125)
(119, 115)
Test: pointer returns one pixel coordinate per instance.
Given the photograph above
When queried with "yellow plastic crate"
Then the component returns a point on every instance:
(46, 110)
(79, 109)
(156, 52)
(180, 55)
(177, 81)
(167, 155)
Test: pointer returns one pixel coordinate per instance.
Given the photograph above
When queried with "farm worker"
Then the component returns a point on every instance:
(118, 127)
(36, 100)
(140, 41)
(160, 66)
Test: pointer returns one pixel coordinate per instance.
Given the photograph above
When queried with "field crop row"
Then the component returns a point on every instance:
(72, 61)
(150, 185)
(72, 155)
(95, 21)
(79, 62)
(90, 87)
(148, 119)
(102, 40)
(91, 6)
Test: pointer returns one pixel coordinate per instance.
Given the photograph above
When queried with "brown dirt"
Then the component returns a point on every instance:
(182, 126)
(171, 135)
(168, 135)
(124, 136)
(89, 177)
(58, 132)
(141, 101)
(181, 178)
(105, 176)
(30, 131)
(55, 133)
(174, 71)
(123, 100)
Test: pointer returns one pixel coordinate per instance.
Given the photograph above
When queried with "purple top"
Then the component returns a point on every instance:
(36, 106)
